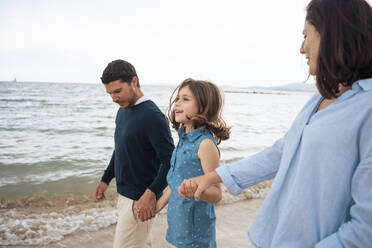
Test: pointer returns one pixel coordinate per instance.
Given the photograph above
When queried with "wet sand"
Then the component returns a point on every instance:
(233, 221)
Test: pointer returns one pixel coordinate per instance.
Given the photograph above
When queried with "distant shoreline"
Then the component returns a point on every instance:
(277, 90)
(255, 92)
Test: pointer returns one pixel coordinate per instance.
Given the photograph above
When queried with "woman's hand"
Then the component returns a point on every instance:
(196, 186)
(187, 188)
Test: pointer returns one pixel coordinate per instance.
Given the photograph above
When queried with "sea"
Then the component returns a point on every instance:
(56, 140)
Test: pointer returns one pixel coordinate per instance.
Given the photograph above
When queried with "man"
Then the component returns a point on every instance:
(141, 159)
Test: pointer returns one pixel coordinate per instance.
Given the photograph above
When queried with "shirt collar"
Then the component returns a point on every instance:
(365, 84)
(141, 100)
(360, 85)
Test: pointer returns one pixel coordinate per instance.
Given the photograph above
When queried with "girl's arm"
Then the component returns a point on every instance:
(209, 158)
(163, 200)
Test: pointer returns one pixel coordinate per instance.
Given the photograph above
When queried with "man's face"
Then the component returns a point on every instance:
(121, 93)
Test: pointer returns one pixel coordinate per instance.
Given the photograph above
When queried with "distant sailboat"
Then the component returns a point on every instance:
(15, 80)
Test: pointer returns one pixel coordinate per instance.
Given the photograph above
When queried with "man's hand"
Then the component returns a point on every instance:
(99, 193)
(146, 205)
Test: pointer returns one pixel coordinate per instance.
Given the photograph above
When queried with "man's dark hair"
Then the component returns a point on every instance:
(119, 70)
(345, 53)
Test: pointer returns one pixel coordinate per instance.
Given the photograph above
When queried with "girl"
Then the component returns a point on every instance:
(196, 114)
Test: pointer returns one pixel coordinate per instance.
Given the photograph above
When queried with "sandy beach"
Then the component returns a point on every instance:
(71, 220)
(233, 221)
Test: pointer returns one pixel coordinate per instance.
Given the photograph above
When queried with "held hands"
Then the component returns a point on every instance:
(145, 207)
(187, 188)
(194, 187)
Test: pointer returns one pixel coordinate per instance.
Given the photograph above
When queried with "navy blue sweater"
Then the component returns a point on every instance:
(143, 148)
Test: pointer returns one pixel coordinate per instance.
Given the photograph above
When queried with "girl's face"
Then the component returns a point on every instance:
(310, 47)
(185, 107)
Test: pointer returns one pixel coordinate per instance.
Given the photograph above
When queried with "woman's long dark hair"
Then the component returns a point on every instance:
(210, 102)
(345, 53)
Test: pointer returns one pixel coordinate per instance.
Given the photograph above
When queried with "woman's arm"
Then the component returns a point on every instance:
(239, 175)
(197, 186)
(163, 200)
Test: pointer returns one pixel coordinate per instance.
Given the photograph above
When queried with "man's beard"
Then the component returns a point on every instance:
(131, 102)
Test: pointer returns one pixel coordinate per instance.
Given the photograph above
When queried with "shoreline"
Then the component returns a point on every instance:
(42, 221)
(230, 230)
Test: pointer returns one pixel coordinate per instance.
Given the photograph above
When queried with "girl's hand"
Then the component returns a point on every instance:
(196, 186)
(187, 188)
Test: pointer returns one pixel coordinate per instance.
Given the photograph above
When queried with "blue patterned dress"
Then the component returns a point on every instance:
(190, 223)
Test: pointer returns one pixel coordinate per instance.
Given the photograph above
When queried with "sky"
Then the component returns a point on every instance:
(236, 43)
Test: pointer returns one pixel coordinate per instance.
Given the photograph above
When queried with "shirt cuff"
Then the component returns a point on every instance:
(155, 188)
(228, 180)
(106, 179)
(331, 241)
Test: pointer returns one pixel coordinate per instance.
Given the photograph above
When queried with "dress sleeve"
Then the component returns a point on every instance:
(252, 170)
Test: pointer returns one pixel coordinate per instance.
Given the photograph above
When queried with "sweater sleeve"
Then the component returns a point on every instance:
(109, 173)
(158, 132)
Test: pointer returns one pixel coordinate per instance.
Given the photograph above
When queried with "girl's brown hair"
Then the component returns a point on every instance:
(345, 53)
(210, 102)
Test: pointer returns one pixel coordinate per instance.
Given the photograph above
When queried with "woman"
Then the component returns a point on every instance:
(322, 192)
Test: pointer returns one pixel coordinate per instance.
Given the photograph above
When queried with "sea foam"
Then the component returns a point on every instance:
(17, 228)
(20, 226)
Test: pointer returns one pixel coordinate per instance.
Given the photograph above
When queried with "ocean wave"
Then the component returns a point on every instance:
(22, 100)
(231, 160)
(51, 130)
(48, 177)
(102, 128)
(41, 219)
(62, 131)
(14, 129)
(230, 149)
(41, 229)
(41, 174)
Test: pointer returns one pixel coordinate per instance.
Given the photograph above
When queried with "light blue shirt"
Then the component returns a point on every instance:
(322, 192)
